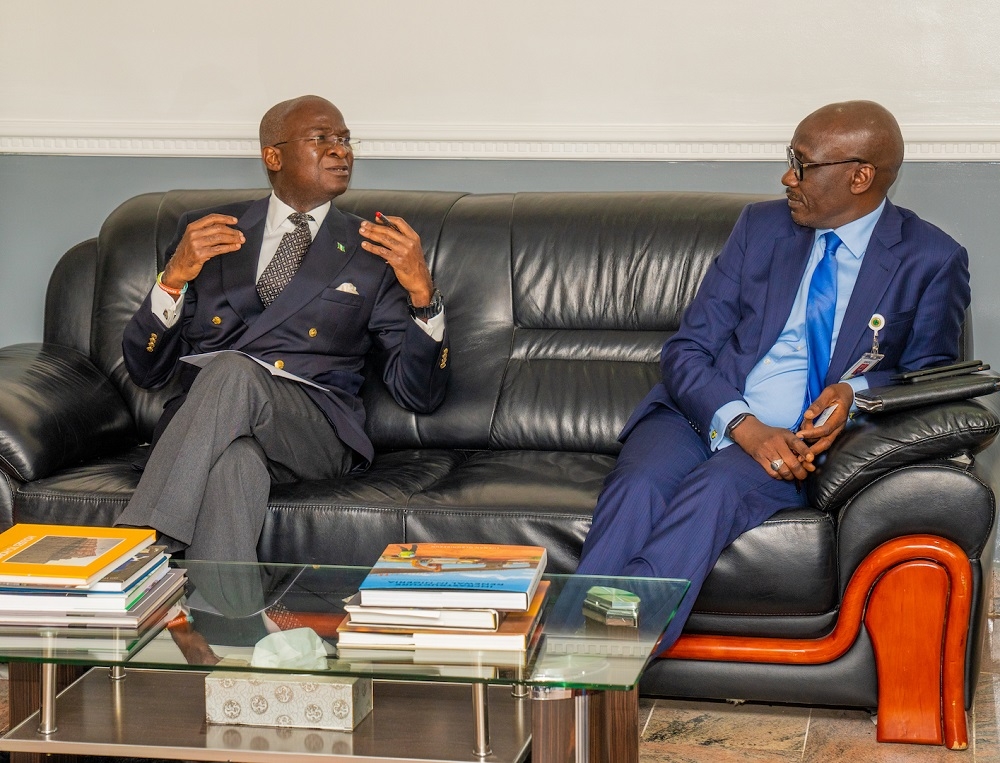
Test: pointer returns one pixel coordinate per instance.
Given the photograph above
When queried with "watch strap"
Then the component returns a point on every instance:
(428, 311)
(737, 420)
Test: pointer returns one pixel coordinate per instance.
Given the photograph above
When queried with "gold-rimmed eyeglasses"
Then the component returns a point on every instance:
(324, 142)
(799, 167)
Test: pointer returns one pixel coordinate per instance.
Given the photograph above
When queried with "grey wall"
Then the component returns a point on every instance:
(49, 203)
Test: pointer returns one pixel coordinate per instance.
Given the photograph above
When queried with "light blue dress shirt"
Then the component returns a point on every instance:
(776, 386)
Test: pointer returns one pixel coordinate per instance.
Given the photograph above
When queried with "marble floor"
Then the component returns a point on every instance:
(718, 732)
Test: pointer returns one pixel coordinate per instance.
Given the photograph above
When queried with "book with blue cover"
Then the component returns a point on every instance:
(454, 575)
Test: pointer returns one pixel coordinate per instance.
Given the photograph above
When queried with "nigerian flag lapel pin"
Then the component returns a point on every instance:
(341, 247)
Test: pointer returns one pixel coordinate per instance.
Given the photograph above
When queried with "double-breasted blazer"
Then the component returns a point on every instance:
(341, 302)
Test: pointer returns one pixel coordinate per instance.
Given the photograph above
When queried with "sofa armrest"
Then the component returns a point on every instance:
(875, 445)
(56, 408)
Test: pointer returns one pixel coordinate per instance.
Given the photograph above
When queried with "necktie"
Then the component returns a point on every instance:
(287, 258)
(821, 308)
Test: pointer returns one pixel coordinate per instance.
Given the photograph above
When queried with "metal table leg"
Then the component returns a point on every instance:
(481, 712)
(47, 712)
(581, 707)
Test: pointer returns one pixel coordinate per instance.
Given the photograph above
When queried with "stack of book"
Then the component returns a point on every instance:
(449, 598)
(85, 586)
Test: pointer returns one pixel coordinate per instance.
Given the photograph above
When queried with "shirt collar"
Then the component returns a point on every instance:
(856, 234)
(278, 212)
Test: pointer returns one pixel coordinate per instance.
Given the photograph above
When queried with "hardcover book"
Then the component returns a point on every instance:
(165, 590)
(85, 643)
(515, 633)
(76, 600)
(422, 617)
(63, 555)
(125, 575)
(454, 575)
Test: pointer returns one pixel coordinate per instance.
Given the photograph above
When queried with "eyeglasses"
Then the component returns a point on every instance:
(324, 142)
(799, 167)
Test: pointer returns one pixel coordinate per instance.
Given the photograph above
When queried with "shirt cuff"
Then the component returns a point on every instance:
(434, 327)
(165, 307)
(857, 384)
(728, 412)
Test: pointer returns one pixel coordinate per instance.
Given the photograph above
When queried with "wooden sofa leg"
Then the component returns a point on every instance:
(907, 618)
(914, 594)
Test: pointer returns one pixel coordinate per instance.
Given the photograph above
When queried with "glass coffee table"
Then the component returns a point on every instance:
(570, 696)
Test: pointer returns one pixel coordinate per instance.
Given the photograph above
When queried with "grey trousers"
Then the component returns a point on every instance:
(207, 481)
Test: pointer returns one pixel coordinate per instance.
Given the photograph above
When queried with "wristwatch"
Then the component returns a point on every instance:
(737, 420)
(427, 311)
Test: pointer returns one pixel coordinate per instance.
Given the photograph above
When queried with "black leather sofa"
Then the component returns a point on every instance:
(557, 304)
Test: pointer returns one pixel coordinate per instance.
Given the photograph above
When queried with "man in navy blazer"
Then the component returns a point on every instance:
(285, 405)
(728, 435)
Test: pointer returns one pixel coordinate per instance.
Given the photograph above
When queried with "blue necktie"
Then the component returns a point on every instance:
(821, 309)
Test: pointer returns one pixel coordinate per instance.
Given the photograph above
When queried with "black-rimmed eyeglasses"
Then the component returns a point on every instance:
(324, 142)
(799, 167)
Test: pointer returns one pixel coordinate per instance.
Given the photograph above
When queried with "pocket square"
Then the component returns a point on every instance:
(348, 287)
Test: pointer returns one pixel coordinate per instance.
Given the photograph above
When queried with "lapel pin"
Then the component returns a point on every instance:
(341, 247)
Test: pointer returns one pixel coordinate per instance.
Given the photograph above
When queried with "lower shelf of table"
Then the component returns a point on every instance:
(161, 714)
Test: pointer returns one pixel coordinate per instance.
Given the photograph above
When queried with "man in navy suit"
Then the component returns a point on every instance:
(726, 438)
(286, 405)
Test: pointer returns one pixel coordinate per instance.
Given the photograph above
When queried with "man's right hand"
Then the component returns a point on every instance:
(769, 445)
(203, 239)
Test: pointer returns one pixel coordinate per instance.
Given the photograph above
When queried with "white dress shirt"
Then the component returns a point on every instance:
(277, 224)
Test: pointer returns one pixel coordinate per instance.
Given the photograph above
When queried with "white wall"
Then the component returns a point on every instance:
(590, 79)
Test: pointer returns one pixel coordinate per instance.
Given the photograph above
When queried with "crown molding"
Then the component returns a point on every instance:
(742, 143)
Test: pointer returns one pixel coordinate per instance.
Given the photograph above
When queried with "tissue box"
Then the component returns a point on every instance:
(306, 701)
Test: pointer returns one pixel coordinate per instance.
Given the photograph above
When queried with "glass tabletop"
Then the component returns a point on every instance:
(281, 618)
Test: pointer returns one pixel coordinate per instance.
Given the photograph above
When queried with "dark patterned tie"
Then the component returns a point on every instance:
(286, 260)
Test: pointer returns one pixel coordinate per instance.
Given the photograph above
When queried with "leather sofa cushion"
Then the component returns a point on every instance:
(58, 409)
(535, 497)
(876, 444)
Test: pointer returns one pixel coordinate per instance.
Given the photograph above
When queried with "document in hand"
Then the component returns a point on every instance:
(203, 359)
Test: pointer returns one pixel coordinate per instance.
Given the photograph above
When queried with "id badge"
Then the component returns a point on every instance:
(862, 365)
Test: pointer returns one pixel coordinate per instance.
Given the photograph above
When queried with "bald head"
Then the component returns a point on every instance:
(864, 129)
(305, 146)
(272, 125)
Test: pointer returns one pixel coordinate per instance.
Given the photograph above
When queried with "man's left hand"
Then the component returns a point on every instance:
(820, 438)
(401, 249)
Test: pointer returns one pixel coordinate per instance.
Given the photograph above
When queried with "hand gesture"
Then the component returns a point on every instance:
(203, 239)
(400, 247)
(822, 437)
(779, 451)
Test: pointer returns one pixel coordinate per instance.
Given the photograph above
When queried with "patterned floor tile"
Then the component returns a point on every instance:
(985, 740)
(687, 753)
(850, 735)
(747, 728)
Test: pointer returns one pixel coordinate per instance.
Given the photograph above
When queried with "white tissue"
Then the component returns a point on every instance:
(299, 648)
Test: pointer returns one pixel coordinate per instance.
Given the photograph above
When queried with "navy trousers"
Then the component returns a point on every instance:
(671, 505)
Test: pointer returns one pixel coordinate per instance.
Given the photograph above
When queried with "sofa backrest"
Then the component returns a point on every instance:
(557, 307)
(557, 304)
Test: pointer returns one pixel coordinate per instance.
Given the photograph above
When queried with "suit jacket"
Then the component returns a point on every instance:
(913, 273)
(312, 329)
